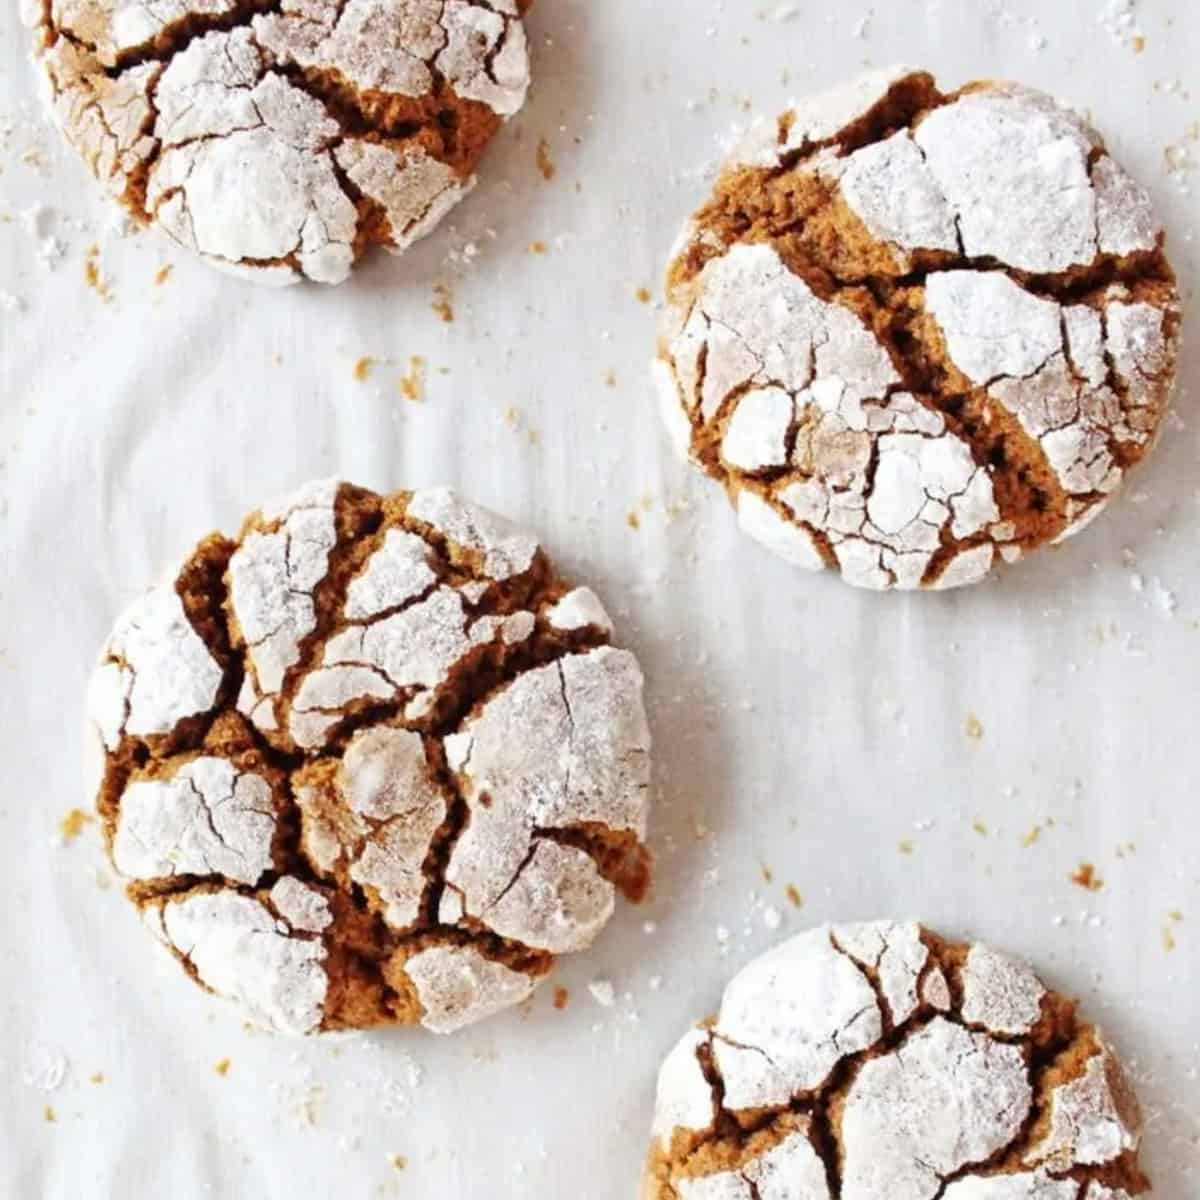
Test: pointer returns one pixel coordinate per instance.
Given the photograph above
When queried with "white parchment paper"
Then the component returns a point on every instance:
(807, 735)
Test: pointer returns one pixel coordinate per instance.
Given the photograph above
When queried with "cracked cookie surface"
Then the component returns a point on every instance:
(879, 1061)
(914, 335)
(281, 139)
(371, 762)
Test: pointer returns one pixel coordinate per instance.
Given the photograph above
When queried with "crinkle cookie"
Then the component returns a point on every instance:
(371, 762)
(281, 139)
(915, 334)
(880, 1062)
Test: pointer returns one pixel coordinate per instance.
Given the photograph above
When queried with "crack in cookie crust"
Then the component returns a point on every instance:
(281, 139)
(881, 1062)
(372, 762)
(915, 335)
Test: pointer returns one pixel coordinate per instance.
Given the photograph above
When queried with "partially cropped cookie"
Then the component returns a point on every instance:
(915, 334)
(881, 1062)
(283, 140)
(371, 762)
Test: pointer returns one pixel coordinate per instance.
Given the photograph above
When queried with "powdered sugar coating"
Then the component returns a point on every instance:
(379, 822)
(790, 1170)
(238, 949)
(1000, 993)
(505, 550)
(1036, 1185)
(844, 1055)
(579, 609)
(562, 747)
(945, 1099)
(207, 819)
(817, 119)
(1094, 1118)
(789, 1017)
(273, 576)
(155, 671)
(895, 953)
(817, 399)
(235, 140)
(684, 1097)
(890, 186)
(430, 727)
(458, 987)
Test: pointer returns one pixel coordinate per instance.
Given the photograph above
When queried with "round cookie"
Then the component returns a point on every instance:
(916, 334)
(880, 1062)
(282, 140)
(371, 762)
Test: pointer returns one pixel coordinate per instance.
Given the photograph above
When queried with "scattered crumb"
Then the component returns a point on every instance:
(632, 519)
(974, 727)
(163, 274)
(545, 162)
(610, 379)
(1168, 937)
(643, 295)
(561, 998)
(412, 385)
(73, 824)
(1032, 837)
(398, 1162)
(222, 1067)
(767, 874)
(443, 302)
(538, 248)
(93, 275)
(1138, 44)
(49, 1115)
(1085, 876)
(906, 846)
(363, 368)
(603, 992)
(97, 1078)
(980, 828)
(793, 894)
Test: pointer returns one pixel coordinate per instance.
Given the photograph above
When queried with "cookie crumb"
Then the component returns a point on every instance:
(412, 385)
(794, 897)
(49, 1115)
(1032, 837)
(561, 998)
(163, 274)
(97, 1078)
(544, 162)
(93, 275)
(73, 824)
(974, 727)
(398, 1162)
(443, 302)
(222, 1067)
(906, 846)
(632, 519)
(538, 248)
(643, 295)
(980, 828)
(1085, 876)
(610, 379)
(363, 368)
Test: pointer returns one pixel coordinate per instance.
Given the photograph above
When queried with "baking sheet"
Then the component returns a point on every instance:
(807, 735)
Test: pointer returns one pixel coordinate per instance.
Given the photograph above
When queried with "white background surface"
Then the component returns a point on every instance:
(799, 726)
